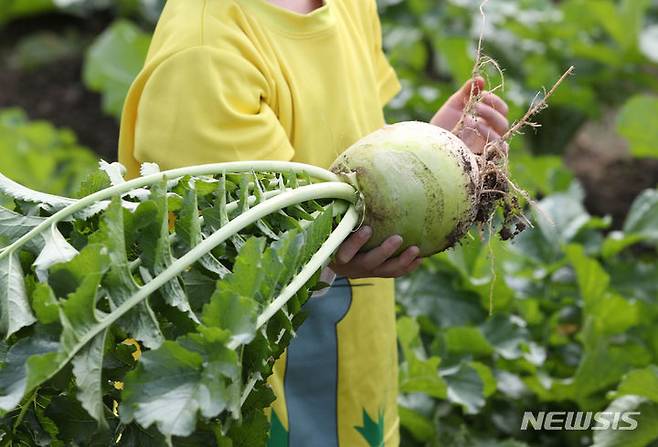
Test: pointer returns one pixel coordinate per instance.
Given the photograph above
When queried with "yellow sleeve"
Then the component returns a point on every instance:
(389, 85)
(204, 105)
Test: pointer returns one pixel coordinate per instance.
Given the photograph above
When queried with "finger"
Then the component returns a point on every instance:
(398, 266)
(460, 97)
(413, 265)
(478, 129)
(495, 119)
(377, 256)
(352, 245)
(496, 102)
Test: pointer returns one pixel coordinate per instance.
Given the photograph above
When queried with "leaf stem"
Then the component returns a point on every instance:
(344, 228)
(24, 408)
(208, 169)
(329, 190)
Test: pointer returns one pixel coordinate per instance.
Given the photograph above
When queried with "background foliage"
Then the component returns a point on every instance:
(561, 319)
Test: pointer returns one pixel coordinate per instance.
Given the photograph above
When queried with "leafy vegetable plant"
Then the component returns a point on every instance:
(203, 268)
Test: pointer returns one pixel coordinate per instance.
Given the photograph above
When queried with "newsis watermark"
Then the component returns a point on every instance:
(580, 420)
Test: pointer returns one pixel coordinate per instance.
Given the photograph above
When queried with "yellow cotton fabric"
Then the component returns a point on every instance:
(229, 80)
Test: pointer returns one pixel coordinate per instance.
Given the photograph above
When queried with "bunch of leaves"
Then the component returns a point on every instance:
(133, 322)
(38, 155)
(572, 328)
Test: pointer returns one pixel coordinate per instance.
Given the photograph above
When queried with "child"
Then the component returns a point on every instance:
(297, 80)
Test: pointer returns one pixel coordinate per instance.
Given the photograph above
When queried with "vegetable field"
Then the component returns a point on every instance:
(562, 320)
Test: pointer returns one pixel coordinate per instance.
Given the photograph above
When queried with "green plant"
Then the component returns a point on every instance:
(36, 154)
(207, 267)
(574, 308)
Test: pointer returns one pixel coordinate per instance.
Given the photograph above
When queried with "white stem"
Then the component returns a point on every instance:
(209, 169)
(248, 388)
(342, 231)
(345, 227)
(331, 190)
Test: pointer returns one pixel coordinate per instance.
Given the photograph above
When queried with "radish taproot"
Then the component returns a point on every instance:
(417, 180)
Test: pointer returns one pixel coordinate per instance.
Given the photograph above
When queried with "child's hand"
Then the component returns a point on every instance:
(491, 122)
(376, 263)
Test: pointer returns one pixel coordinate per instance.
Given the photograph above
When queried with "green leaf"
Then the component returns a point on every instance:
(640, 382)
(604, 364)
(135, 436)
(56, 250)
(15, 369)
(37, 155)
(15, 312)
(608, 312)
(420, 427)
(615, 315)
(188, 229)
(567, 216)
(259, 274)
(94, 182)
(175, 382)
(88, 372)
(232, 306)
(505, 333)
(417, 374)
(45, 304)
(593, 281)
(487, 377)
(632, 124)
(113, 61)
(436, 294)
(75, 426)
(79, 280)
(642, 218)
(645, 413)
(467, 340)
(616, 242)
(455, 51)
(156, 256)
(13, 226)
(465, 387)
(611, 20)
(140, 322)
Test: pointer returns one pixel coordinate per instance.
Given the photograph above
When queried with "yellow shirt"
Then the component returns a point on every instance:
(230, 80)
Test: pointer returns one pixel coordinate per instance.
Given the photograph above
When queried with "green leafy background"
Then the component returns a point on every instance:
(561, 319)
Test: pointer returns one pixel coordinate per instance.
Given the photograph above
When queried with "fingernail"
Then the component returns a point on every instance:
(396, 240)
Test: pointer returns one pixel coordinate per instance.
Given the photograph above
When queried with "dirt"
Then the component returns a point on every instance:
(612, 179)
(54, 91)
